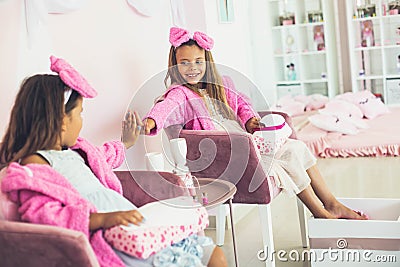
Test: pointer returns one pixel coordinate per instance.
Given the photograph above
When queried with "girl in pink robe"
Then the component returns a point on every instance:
(60, 179)
(200, 99)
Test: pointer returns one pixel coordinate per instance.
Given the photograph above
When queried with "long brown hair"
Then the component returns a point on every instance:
(211, 82)
(36, 117)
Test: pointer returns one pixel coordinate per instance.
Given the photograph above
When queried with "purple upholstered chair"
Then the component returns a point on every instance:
(28, 244)
(234, 157)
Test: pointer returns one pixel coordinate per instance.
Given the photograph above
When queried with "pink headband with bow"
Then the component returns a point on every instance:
(72, 77)
(178, 36)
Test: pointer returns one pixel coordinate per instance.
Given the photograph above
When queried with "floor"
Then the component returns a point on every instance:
(284, 213)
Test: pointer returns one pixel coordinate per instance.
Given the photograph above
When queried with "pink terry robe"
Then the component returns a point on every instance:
(46, 197)
(183, 106)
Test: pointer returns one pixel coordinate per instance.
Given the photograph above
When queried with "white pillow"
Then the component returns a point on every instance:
(332, 123)
(343, 108)
(345, 111)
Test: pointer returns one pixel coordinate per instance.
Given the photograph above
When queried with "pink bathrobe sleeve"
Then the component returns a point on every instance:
(182, 106)
(102, 160)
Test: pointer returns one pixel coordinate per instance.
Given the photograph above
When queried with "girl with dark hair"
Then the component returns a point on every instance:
(58, 178)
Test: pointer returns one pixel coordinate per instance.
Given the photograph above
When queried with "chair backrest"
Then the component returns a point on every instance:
(8, 209)
(142, 187)
(232, 157)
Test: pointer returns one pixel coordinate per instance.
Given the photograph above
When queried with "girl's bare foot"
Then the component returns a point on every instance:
(339, 211)
(324, 214)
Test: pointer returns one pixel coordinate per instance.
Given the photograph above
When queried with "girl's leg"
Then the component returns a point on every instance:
(319, 191)
(217, 258)
(308, 197)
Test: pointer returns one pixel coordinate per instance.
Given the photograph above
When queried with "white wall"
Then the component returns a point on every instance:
(9, 14)
(113, 46)
(235, 46)
(118, 50)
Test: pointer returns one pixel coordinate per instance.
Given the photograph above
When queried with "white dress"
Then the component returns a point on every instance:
(288, 166)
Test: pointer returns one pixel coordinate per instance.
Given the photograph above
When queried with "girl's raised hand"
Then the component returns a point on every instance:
(110, 219)
(131, 128)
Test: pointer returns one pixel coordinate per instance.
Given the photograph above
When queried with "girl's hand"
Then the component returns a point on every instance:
(110, 219)
(131, 128)
(149, 124)
(253, 123)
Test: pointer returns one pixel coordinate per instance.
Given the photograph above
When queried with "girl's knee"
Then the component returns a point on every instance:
(217, 258)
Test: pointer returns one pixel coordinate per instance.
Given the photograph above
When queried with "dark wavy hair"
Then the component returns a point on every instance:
(36, 117)
(212, 80)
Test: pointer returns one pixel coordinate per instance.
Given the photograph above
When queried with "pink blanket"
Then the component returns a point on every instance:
(382, 138)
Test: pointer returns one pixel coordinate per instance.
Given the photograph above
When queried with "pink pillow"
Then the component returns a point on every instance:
(288, 105)
(355, 97)
(373, 107)
(332, 123)
(369, 104)
(302, 98)
(316, 101)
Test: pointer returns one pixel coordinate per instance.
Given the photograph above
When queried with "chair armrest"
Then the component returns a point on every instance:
(287, 118)
(28, 244)
(142, 187)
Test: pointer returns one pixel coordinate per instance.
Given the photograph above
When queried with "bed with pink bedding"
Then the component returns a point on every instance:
(348, 162)
(380, 139)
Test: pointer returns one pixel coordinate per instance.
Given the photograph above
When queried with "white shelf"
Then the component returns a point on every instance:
(364, 19)
(288, 82)
(311, 24)
(387, 17)
(284, 27)
(316, 81)
(310, 61)
(391, 47)
(370, 77)
(393, 76)
(379, 60)
(313, 53)
(367, 48)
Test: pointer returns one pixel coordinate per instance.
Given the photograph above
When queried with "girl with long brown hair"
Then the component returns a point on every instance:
(198, 98)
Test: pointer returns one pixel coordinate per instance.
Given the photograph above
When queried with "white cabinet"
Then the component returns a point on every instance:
(374, 43)
(303, 34)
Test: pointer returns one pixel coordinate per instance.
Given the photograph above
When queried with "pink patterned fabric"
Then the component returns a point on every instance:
(272, 137)
(71, 77)
(182, 106)
(144, 242)
(178, 36)
(46, 197)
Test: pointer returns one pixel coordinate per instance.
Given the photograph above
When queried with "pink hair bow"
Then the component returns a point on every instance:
(178, 36)
(72, 77)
